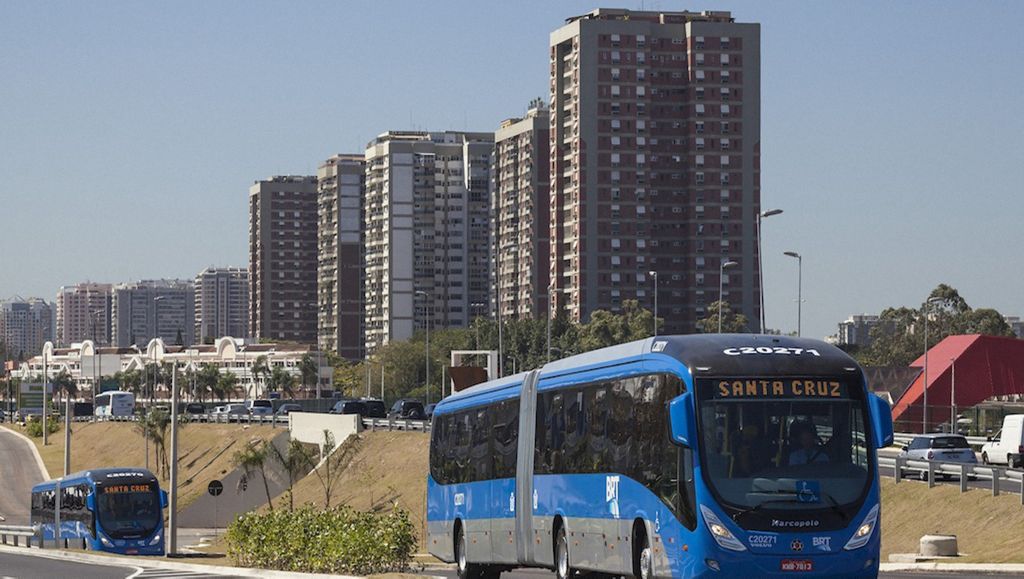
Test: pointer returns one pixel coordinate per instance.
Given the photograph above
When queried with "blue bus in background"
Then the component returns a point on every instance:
(119, 510)
(676, 456)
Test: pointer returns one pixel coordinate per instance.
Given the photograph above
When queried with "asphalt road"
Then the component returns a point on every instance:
(17, 566)
(545, 574)
(19, 471)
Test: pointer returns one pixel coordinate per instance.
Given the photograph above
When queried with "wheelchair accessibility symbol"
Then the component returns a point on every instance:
(808, 491)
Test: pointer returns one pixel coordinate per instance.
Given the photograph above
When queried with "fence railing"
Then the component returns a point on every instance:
(16, 534)
(901, 438)
(220, 418)
(396, 424)
(930, 469)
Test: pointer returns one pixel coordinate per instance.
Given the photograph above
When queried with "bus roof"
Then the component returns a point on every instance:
(100, 475)
(709, 354)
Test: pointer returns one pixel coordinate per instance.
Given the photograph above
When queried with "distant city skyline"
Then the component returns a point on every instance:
(891, 134)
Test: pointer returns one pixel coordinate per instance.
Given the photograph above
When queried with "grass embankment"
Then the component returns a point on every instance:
(985, 526)
(204, 450)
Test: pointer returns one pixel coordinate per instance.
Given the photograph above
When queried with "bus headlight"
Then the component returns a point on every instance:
(155, 539)
(105, 541)
(863, 533)
(723, 536)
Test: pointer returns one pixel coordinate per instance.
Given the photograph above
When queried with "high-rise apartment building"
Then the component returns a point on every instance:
(83, 313)
(427, 232)
(521, 215)
(655, 160)
(222, 303)
(283, 259)
(340, 179)
(25, 325)
(143, 310)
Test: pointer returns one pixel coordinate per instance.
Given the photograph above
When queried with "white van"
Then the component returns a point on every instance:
(1007, 446)
(114, 403)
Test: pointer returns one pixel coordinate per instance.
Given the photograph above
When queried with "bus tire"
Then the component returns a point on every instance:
(462, 565)
(562, 568)
(643, 556)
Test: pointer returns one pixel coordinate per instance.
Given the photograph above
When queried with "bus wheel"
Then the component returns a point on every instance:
(461, 562)
(643, 557)
(562, 569)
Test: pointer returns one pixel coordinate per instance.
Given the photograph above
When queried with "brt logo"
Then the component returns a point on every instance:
(611, 494)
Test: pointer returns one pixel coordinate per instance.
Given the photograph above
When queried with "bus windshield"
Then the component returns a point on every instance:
(784, 446)
(129, 510)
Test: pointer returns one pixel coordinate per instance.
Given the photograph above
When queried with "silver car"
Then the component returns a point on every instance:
(939, 448)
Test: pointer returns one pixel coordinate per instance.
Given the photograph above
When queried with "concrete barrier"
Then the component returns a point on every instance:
(938, 546)
(309, 427)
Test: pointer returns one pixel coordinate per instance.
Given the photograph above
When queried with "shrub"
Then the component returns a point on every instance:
(35, 426)
(338, 540)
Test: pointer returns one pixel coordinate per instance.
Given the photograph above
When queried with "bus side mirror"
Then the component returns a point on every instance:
(163, 499)
(90, 501)
(680, 412)
(881, 420)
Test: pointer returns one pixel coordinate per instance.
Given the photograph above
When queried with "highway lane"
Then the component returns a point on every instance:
(31, 567)
(19, 471)
(545, 574)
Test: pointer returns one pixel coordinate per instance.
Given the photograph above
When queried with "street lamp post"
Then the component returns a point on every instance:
(426, 349)
(952, 396)
(799, 286)
(721, 275)
(654, 276)
(172, 507)
(924, 413)
(760, 268)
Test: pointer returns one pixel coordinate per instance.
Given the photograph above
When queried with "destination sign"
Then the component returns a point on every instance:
(775, 388)
(126, 489)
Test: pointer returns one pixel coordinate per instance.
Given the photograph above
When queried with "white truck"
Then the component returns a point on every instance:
(1007, 446)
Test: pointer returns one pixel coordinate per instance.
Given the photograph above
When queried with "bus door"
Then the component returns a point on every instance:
(524, 469)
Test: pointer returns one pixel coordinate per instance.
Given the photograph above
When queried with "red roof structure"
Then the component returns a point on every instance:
(984, 366)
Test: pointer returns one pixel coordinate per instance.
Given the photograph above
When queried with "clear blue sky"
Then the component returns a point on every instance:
(130, 132)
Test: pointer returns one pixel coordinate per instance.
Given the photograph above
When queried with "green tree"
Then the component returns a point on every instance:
(732, 322)
(281, 381)
(308, 370)
(608, 329)
(226, 385)
(254, 459)
(155, 425)
(208, 381)
(296, 460)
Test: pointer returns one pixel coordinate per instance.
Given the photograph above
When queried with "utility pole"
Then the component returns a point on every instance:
(46, 379)
(952, 396)
(172, 506)
(67, 433)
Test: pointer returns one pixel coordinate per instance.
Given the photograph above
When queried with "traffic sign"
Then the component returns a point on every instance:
(215, 488)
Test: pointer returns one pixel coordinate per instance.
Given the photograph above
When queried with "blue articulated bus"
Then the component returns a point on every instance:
(119, 510)
(676, 456)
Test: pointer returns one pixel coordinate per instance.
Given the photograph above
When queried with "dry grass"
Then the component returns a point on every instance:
(204, 450)
(985, 526)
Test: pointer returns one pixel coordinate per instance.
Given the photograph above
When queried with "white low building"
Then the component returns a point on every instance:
(90, 365)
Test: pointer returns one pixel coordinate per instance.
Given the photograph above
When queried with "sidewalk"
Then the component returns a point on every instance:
(986, 568)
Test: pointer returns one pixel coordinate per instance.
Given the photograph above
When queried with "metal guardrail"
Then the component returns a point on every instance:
(16, 533)
(905, 438)
(964, 471)
(209, 417)
(396, 424)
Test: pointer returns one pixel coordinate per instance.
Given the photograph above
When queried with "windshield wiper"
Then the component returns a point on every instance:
(758, 506)
(835, 506)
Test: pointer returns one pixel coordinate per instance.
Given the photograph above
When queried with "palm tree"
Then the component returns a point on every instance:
(253, 459)
(296, 461)
(154, 426)
(226, 385)
(308, 369)
(281, 380)
(260, 368)
(207, 379)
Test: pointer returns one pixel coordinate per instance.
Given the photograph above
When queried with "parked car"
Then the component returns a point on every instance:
(1007, 445)
(939, 448)
(349, 407)
(287, 408)
(429, 410)
(231, 411)
(408, 408)
(375, 408)
(260, 407)
(82, 409)
(195, 408)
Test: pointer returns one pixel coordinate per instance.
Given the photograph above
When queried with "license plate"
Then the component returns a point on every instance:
(796, 565)
(131, 551)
